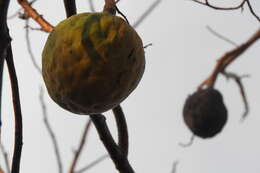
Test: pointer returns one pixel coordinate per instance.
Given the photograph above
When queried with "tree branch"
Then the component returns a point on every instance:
(121, 129)
(29, 47)
(228, 58)
(92, 8)
(215, 33)
(239, 6)
(146, 13)
(31, 12)
(4, 43)
(70, 7)
(237, 79)
(5, 155)
(50, 131)
(17, 112)
(92, 164)
(80, 148)
(114, 151)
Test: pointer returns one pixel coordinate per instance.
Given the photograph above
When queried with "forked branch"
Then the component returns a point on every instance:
(239, 6)
(31, 12)
(228, 58)
(114, 151)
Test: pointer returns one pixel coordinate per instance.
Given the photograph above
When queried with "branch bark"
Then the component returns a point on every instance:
(31, 12)
(119, 159)
(17, 112)
(51, 132)
(80, 148)
(121, 130)
(70, 7)
(228, 58)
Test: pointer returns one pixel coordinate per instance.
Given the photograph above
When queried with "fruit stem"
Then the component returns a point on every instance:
(110, 7)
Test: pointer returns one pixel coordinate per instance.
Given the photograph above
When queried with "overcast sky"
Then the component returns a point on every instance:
(183, 54)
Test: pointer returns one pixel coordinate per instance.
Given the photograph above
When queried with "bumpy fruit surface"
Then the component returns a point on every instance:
(91, 62)
(205, 113)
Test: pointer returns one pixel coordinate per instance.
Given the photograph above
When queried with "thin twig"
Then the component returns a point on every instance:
(228, 58)
(252, 11)
(80, 148)
(31, 12)
(91, 5)
(4, 43)
(237, 79)
(110, 7)
(17, 112)
(148, 45)
(114, 151)
(18, 12)
(239, 6)
(122, 14)
(92, 164)
(29, 47)
(146, 13)
(121, 129)
(6, 157)
(70, 7)
(1, 86)
(192, 138)
(215, 33)
(174, 166)
(50, 131)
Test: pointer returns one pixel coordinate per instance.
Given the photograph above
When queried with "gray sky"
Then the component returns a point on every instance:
(183, 54)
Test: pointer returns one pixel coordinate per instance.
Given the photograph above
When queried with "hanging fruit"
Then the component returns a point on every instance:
(205, 113)
(91, 62)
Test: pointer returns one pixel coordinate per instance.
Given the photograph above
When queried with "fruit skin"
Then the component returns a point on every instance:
(205, 113)
(91, 62)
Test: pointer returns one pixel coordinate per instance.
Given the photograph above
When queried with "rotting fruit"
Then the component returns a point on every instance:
(91, 62)
(205, 113)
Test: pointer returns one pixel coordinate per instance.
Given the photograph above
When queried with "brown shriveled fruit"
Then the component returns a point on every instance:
(205, 113)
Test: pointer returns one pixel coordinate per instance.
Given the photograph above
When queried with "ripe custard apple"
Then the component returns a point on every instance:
(91, 62)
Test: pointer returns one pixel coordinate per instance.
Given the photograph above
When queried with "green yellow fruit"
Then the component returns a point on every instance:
(91, 62)
(205, 113)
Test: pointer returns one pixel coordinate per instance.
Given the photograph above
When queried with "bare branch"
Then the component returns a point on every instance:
(114, 151)
(6, 157)
(1, 86)
(122, 14)
(70, 7)
(174, 166)
(242, 90)
(18, 12)
(17, 112)
(1, 170)
(240, 6)
(146, 13)
(50, 131)
(228, 58)
(31, 12)
(215, 33)
(92, 164)
(189, 143)
(91, 4)
(121, 129)
(252, 11)
(29, 47)
(148, 45)
(4, 43)
(80, 148)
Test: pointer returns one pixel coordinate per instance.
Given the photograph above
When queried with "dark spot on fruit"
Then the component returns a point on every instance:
(205, 113)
